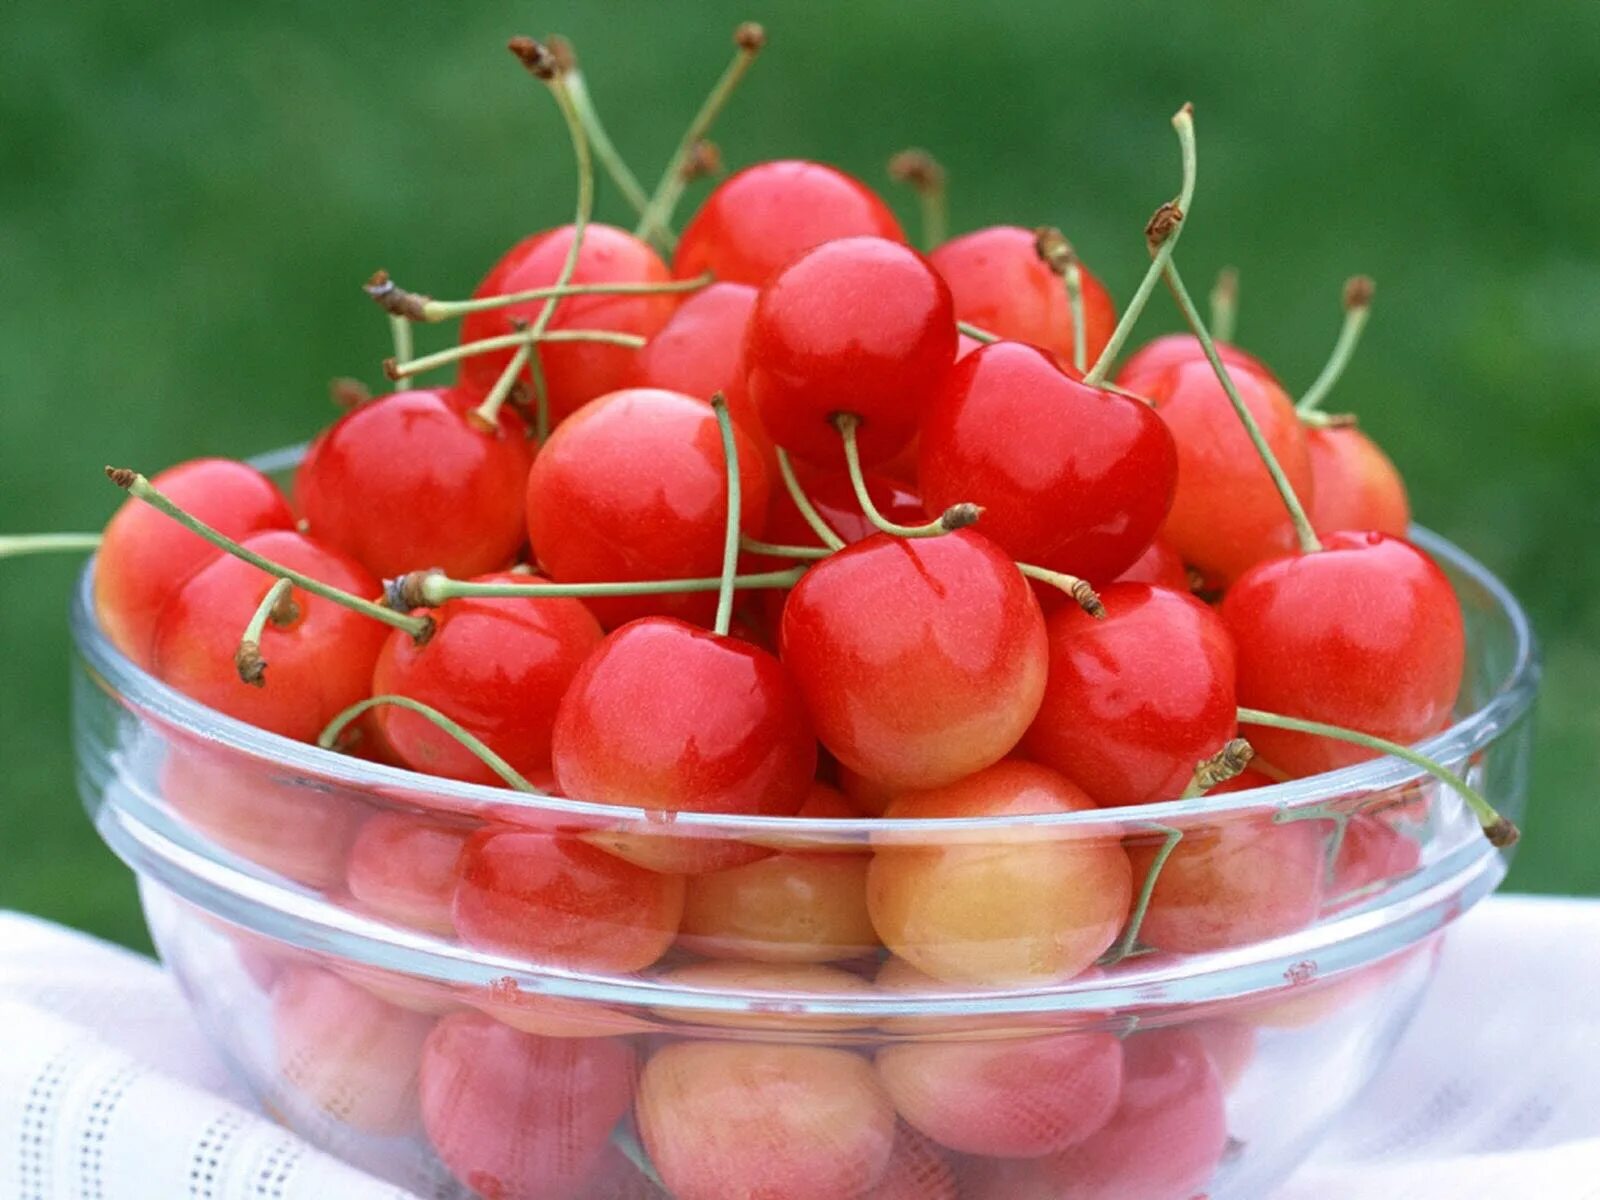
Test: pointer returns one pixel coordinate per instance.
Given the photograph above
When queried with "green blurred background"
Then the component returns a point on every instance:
(191, 194)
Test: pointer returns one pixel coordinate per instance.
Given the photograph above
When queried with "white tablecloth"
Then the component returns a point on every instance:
(107, 1091)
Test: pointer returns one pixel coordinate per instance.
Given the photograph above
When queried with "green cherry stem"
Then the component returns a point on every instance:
(752, 545)
(1225, 304)
(1057, 253)
(137, 486)
(496, 395)
(1297, 513)
(921, 172)
(1128, 945)
(1162, 233)
(1499, 830)
(655, 224)
(329, 737)
(404, 348)
(16, 545)
(808, 510)
(507, 341)
(957, 516)
(976, 333)
(278, 606)
(429, 589)
(1357, 307)
(415, 306)
(599, 140)
(1080, 590)
(730, 537)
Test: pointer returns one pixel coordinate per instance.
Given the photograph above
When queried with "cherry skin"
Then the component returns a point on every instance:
(1364, 634)
(406, 482)
(1227, 515)
(574, 372)
(1011, 1097)
(145, 556)
(1240, 881)
(861, 325)
(1019, 907)
(517, 1117)
(498, 666)
(1159, 565)
(762, 218)
(1371, 852)
(318, 664)
(917, 1171)
(403, 868)
(556, 900)
(1070, 476)
(1355, 485)
(1151, 360)
(1000, 284)
(797, 979)
(725, 1119)
(920, 660)
(634, 487)
(1134, 701)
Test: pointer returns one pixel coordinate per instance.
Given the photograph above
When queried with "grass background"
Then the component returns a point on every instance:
(190, 195)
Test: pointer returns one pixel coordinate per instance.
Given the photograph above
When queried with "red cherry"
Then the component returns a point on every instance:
(635, 487)
(920, 660)
(1365, 634)
(574, 372)
(1371, 851)
(916, 1171)
(1355, 485)
(1161, 566)
(403, 868)
(558, 901)
(1134, 701)
(861, 325)
(835, 500)
(1227, 515)
(1000, 284)
(1156, 356)
(1070, 476)
(497, 666)
(764, 217)
(406, 482)
(517, 1117)
(145, 556)
(318, 664)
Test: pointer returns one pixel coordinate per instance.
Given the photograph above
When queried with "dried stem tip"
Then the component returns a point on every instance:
(1358, 292)
(348, 393)
(394, 299)
(918, 169)
(1222, 766)
(251, 666)
(750, 37)
(704, 159)
(563, 51)
(123, 477)
(405, 592)
(536, 57)
(1162, 225)
(959, 516)
(1502, 833)
(1053, 249)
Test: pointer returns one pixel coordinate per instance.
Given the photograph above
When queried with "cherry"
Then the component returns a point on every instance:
(556, 900)
(787, 979)
(320, 658)
(1011, 1097)
(574, 372)
(1230, 1044)
(1371, 852)
(1354, 484)
(725, 1119)
(403, 868)
(1241, 881)
(1000, 284)
(860, 326)
(633, 487)
(1227, 515)
(916, 1171)
(347, 1052)
(920, 660)
(497, 666)
(1365, 634)
(1015, 907)
(406, 482)
(1069, 476)
(517, 1117)
(762, 218)
(1161, 566)
(1133, 701)
(797, 906)
(145, 558)
(1153, 359)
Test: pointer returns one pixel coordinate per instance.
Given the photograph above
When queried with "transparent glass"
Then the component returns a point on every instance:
(470, 990)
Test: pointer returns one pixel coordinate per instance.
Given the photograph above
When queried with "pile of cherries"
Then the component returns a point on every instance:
(807, 523)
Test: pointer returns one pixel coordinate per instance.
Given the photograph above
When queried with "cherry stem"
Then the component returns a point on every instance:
(1161, 234)
(921, 172)
(1357, 307)
(137, 486)
(329, 737)
(279, 606)
(489, 411)
(1057, 253)
(976, 333)
(1129, 943)
(656, 221)
(755, 546)
(730, 537)
(600, 142)
(1499, 830)
(429, 589)
(1297, 513)
(496, 396)
(16, 545)
(957, 516)
(507, 341)
(416, 307)
(1225, 304)
(1222, 766)
(400, 333)
(1081, 592)
(813, 518)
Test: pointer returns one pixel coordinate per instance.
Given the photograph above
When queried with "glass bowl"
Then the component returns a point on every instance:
(470, 990)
